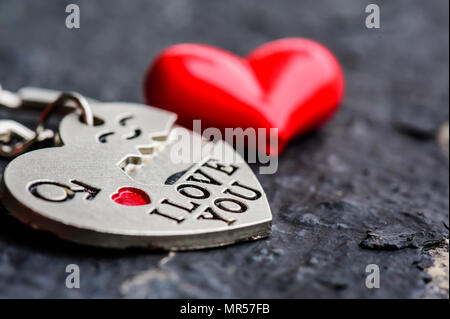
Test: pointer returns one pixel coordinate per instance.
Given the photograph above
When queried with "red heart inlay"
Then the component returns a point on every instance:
(294, 85)
(131, 196)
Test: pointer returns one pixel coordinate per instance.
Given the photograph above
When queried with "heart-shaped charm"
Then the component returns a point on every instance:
(130, 196)
(294, 85)
(121, 183)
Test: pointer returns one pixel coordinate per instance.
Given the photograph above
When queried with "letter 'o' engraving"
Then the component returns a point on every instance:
(240, 208)
(51, 191)
(256, 194)
(57, 192)
(182, 189)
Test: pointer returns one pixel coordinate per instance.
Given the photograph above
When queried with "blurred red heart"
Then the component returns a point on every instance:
(294, 85)
(131, 196)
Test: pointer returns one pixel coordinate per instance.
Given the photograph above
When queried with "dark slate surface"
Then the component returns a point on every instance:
(371, 187)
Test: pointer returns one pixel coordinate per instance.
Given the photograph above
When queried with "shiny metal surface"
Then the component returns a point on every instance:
(72, 190)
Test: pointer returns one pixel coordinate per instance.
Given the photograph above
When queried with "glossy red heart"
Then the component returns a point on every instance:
(294, 85)
(131, 196)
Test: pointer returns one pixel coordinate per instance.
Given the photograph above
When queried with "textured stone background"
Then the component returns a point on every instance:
(377, 167)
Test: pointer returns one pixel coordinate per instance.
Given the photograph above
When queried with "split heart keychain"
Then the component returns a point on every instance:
(110, 180)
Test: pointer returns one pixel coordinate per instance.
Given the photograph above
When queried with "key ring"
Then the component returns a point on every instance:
(80, 102)
(30, 138)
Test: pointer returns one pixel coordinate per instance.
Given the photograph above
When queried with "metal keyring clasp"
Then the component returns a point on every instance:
(61, 101)
(29, 139)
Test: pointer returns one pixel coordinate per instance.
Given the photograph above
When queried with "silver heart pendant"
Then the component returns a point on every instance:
(130, 180)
